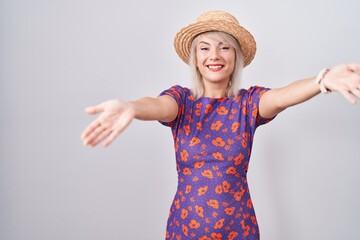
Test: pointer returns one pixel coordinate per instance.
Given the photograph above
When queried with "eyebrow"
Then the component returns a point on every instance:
(220, 43)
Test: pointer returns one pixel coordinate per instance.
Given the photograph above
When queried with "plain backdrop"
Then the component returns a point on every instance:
(58, 57)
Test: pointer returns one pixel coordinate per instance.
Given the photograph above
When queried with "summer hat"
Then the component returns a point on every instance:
(215, 21)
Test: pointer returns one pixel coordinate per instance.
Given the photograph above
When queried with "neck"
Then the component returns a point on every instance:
(215, 90)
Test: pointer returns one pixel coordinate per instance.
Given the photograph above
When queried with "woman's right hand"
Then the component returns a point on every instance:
(114, 117)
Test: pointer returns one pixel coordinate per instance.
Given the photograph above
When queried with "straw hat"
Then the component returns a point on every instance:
(215, 21)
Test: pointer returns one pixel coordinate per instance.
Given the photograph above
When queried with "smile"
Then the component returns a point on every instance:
(215, 68)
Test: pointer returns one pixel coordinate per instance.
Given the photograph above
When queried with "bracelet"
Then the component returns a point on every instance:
(319, 80)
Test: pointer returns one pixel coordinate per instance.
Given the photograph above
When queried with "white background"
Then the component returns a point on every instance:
(57, 57)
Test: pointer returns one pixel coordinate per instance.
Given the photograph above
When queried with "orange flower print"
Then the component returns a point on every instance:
(187, 130)
(213, 203)
(226, 186)
(244, 140)
(177, 204)
(249, 203)
(245, 110)
(207, 173)
(204, 238)
(216, 236)
(198, 165)
(194, 141)
(218, 142)
(199, 105)
(230, 141)
(188, 189)
(232, 235)
(219, 224)
(216, 125)
(208, 108)
(253, 219)
(186, 171)
(235, 126)
(239, 158)
(218, 189)
(199, 211)
(246, 228)
(222, 110)
(199, 126)
(229, 211)
(239, 195)
(218, 156)
(184, 213)
(194, 224)
(202, 190)
(184, 155)
(231, 170)
(185, 230)
(254, 111)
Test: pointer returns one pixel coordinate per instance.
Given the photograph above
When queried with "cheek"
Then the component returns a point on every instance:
(199, 60)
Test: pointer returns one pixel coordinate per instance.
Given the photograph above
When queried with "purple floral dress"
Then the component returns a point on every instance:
(213, 140)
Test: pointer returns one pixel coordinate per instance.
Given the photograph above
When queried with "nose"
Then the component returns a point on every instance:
(214, 55)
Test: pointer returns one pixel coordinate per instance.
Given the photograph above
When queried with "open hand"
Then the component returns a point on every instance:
(344, 79)
(114, 117)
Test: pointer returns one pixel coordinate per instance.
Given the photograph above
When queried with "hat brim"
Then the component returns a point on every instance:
(186, 35)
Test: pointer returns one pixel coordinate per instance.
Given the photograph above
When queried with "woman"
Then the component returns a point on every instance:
(213, 125)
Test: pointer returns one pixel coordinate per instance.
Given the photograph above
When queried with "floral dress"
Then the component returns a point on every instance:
(213, 140)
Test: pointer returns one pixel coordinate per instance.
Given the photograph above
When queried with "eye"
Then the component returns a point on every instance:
(204, 48)
(225, 48)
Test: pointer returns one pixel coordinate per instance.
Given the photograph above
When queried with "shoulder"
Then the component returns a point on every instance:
(179, 93)
(253, 91)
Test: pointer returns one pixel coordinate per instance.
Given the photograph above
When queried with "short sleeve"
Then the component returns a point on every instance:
(179, 94)
(254, 95)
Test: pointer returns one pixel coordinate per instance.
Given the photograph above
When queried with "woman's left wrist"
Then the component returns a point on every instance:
(320, 80)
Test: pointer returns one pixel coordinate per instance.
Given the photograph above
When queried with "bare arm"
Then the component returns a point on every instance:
(342, 78)
(115, 116)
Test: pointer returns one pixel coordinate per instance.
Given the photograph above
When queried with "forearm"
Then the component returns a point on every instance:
(276, 100)
(296, 92)
(162, 108)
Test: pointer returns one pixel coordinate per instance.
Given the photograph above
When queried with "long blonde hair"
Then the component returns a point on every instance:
(197, 86)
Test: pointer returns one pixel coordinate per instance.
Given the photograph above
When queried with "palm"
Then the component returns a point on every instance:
(345, 80)
(114, 117)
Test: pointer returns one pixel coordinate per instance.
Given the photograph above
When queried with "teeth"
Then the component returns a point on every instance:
(215, 67)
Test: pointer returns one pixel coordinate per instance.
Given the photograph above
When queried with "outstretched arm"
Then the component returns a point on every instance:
(344, 79)
(116, 115)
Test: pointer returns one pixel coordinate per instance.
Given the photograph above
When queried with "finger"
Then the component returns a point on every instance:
(348, 96)
(118, 128)
(112, 137)
(356, 92)
(354, 67)
(92, 130)
(100, 137)
(95, 109)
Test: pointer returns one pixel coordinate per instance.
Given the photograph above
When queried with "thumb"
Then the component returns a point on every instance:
(95, 109)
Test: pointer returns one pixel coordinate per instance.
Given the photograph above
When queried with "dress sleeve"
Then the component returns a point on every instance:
(179, 94)
(254, 95)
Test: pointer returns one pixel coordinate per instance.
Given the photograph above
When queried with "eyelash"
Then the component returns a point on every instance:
(206, 48)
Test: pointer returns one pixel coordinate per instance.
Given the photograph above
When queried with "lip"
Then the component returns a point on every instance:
(215, 67)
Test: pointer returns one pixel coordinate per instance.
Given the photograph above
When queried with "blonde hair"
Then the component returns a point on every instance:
(197, 86)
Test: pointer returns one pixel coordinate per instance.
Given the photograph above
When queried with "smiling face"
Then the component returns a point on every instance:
(215, 60)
